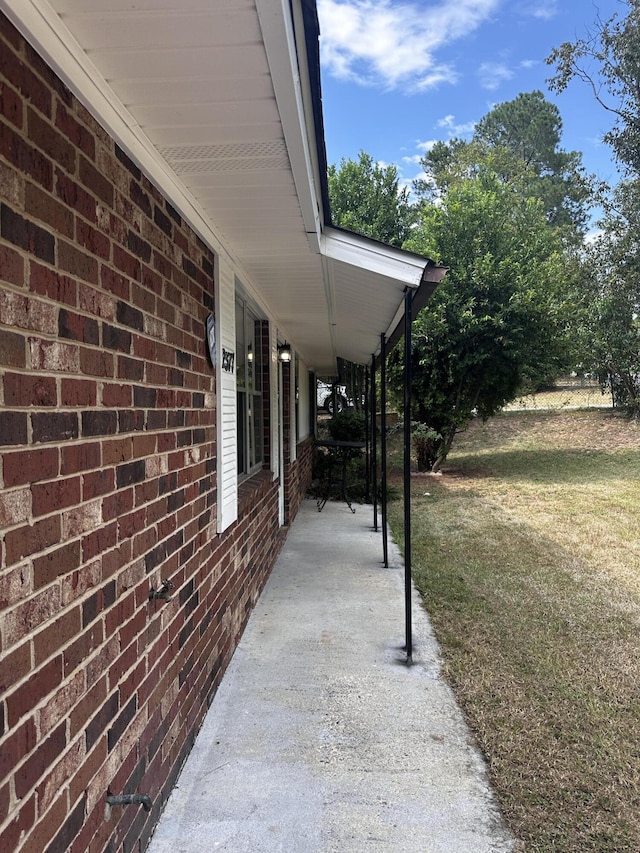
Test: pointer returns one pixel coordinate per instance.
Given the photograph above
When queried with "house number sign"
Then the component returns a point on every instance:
(228, 359)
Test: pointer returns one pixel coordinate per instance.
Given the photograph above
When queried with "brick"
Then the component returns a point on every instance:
(99, 422)
(47, 827)
(54, 426)
(53, 143)
(115, 283)
(99, 722)
(77, 327)
(14, 665)
(12, 349)
(127, 163)
(40, 760)
(83, 646)
(94, 181)
(69, 829)
(130, 421)
(116, 394)
(12, 266)
(116, 451)
(11, 106)
(127, 263)
(21, 390)
(75, 132)
(98, 483)
(56, 635)
(78, 392)
(75, 196)
(140, 198)
(56, 495)
(78, 583)
(55, 564)
(163, 222)
(99, 541)
(15, 586)
(87, 706)
(79, 457)
(96, 363)
(139, 246)
(55, 781)
(30, 466)
(13, 428)
(23, 821)
(94, 241)
(144, 397)
(27, 540)
(5, 802)
(115, 338)
(129, 316)
(130, 368)
(77, 262)
(117, 505)
(47, 209)
(41, 683)
(27, 160)
(27, 235)
(53, 284)
(121, 723)
(54, 356)
(16, 746)
(132, 472)
(27, 313)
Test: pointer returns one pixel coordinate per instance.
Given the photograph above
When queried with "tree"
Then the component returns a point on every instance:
(519, 140)
(366, 198)
(495, 319)
(608, 60)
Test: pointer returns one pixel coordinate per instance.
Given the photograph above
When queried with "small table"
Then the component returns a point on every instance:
(339, 451)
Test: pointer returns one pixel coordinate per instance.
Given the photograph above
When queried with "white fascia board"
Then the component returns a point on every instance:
(46, 32)
(405, 267)
(280, 45)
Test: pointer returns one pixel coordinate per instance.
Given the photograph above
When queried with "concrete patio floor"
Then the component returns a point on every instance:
(320, 738)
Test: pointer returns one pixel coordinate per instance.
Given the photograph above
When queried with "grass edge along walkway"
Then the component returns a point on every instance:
(526, 555)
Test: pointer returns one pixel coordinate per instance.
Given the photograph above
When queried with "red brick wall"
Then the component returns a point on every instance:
(107, 480)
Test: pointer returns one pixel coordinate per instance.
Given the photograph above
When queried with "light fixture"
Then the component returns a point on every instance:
(284, 352)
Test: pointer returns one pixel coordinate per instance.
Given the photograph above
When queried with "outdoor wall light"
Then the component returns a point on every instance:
(284, 352)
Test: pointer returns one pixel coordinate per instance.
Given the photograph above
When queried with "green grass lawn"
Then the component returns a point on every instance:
(527, 553)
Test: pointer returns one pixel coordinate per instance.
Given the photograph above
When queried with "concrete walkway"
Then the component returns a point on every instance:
(320, 738)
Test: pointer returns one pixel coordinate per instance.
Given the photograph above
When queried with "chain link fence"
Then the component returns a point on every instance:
(570, 392)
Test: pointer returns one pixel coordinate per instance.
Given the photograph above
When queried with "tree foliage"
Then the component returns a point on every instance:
(608, 60)
(520, 141)
(367, 198)
(493, 322)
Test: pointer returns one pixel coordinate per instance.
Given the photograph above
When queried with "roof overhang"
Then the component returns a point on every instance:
(218, 102)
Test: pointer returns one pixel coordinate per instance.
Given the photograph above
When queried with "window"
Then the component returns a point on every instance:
(249, 378)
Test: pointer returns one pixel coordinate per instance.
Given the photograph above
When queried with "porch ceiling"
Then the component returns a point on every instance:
(213, 99)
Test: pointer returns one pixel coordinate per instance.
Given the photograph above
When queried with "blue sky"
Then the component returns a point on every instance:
(397, 76)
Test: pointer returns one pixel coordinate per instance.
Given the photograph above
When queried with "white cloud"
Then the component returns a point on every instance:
(545, 10)
(394, 44)
(456, 129)
(492, 74)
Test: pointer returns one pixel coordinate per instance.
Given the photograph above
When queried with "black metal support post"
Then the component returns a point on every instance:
(374, 444)
(383, 447)
(367, 452)
(407, 473)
